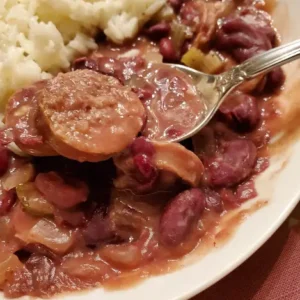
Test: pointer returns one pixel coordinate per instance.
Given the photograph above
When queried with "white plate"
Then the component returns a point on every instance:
(283, 192)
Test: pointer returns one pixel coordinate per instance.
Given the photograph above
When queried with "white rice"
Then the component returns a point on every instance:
(40, 37)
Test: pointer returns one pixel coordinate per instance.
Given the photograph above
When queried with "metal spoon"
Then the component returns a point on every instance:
(214, 88)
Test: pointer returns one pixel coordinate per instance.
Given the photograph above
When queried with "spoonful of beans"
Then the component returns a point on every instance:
(213, 89)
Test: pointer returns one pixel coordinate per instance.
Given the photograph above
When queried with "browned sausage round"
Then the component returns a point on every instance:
(22, 117)
(89, 116)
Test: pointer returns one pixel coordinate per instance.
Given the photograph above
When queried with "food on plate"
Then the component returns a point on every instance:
(91, 188)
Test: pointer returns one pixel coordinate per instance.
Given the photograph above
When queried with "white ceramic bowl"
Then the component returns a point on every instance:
(282, 191)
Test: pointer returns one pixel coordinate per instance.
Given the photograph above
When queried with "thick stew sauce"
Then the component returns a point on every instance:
(91, 190)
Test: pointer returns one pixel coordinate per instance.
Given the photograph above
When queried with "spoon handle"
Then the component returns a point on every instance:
(267, 61)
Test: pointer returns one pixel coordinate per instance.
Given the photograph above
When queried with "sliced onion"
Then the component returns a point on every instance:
(47, 233)
(20, 175)
(86, 267)
(33, 201)
(16, 150)
(124, 256)
(5, 227)
(129, 54)
(153, 57)
(165, 14)
(179, 33)
(8, 263)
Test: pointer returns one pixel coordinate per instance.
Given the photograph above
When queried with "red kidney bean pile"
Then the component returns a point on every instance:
(98, 193)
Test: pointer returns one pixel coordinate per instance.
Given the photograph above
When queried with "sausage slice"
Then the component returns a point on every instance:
(89, 116)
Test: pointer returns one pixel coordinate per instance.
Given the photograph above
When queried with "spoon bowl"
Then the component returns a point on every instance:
(213, 89)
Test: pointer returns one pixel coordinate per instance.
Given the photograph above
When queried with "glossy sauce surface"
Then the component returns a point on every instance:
(69, 225)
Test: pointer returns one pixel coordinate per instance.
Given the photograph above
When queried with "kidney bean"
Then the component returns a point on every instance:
(142, 146)
(275, 79)
(4, 160)
(168, 50)
(145, 171)
(179, 216)
(245, 34)
(241, 111)
(158, 31)
(105, 65)
(145, 92)
(232, 164)
(176, 4)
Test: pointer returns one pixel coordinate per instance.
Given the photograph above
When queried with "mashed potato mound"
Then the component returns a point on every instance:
(40, 37)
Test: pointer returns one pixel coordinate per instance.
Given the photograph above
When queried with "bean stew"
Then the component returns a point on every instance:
(91, 191)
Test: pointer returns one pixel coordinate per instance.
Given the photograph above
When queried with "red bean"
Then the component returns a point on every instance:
(168, 50)
(245, 34)
(275, 79)
(146, 172)
(158, 31)
(142, 146)
(241, 111)
(233, 163)
(176, 4)
(4, 160)
(179, 216)
(145, 92)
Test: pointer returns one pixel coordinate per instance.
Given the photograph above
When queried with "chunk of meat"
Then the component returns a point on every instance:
(202, 16)
(167, 163)
(62, 194)
(241, 111)
(23, 117)
(233, 163)
(176, 159)
(88, 116)
(179, 215)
